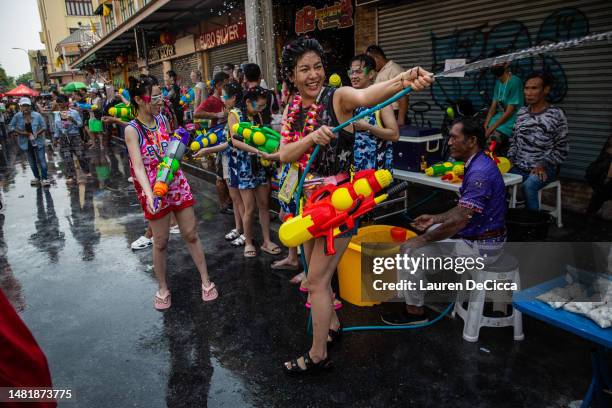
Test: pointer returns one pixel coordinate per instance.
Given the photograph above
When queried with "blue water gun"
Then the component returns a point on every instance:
(86, 106)
(188, 97)
(125, 93)
(210, 138)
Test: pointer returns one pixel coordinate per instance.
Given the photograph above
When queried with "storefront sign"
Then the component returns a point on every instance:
(338, 15)
(223, 36)
(161, 52)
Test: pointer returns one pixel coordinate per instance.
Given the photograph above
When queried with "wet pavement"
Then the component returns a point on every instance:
(66, 265)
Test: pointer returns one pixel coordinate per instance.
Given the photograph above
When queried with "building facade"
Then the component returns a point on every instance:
(38, 68)
(59, 19)
(160, 35)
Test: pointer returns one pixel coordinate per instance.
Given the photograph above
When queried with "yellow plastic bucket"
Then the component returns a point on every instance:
(349, 268)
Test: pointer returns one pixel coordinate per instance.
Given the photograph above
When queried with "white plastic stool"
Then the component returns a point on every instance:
(556, 210)
(505, 269)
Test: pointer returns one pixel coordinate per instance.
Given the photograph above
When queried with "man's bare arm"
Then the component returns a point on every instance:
(451, 222)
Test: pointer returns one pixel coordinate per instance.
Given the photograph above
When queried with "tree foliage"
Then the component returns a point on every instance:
(24, 79)
(6, 82)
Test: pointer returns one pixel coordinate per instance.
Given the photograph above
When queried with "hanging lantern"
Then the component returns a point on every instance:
(167, 38)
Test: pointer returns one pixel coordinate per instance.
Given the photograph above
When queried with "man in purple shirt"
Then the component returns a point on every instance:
(476, 226)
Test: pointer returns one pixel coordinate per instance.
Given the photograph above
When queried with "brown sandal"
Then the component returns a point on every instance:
(275, 250)
(250, 253)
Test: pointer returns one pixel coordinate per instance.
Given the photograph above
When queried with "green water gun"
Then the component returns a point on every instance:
(260, 137)
(441, 169)
(122, 111)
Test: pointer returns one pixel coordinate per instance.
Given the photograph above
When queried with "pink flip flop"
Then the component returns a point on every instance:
(160, 303)
(303, 289)
(337, 306)
(209, 292)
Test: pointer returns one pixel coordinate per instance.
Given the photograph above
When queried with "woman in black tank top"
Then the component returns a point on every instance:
(320, 109)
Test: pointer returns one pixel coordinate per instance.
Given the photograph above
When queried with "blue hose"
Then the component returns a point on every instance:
(415, 326)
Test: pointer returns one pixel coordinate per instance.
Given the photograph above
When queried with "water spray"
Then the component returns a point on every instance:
(472, 66)
(526, 53)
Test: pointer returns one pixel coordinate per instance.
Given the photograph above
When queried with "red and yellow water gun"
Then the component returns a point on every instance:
(503, 164)
(332, 210)
(454, 176)
(451, 172)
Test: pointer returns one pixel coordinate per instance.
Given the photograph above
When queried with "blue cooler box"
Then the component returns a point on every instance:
(415, 143)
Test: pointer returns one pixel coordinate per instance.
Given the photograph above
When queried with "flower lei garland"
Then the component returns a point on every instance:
(290, 135)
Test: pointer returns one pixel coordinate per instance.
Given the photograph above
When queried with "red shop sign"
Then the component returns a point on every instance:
(337, 15)
(222, 36)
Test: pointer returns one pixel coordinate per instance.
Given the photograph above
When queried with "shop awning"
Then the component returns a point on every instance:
(156, 17)
(120, 37)
(89, 59)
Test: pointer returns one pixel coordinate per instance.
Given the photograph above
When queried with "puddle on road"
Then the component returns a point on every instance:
(226, 388)
(67, 268)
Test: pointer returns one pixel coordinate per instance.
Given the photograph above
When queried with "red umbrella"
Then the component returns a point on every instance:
(22, 90)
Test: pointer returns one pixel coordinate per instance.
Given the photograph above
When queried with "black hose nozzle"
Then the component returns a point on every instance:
(398, 188)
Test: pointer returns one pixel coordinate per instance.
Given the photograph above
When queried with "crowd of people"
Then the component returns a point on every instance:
(528, 129)
(63, 121)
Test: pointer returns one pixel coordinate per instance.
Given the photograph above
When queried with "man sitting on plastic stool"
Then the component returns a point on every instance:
(476, 226)
(539, 142)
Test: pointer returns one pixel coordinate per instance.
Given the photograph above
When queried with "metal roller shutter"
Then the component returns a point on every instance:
(417, 34)
(234, 54)
(157, 71)
(183, 67)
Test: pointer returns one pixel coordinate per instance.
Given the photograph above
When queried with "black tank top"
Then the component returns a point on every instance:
(337, 156)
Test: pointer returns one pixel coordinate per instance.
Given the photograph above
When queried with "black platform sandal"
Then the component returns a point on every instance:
(311, 366)
(334, 337)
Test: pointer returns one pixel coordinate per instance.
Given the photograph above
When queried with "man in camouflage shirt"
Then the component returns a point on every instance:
(539, 142)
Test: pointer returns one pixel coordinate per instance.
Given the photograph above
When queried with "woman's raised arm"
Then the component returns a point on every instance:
(349, 98)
